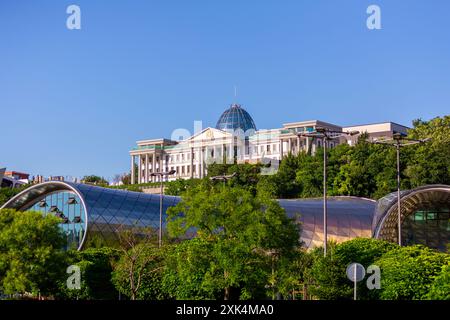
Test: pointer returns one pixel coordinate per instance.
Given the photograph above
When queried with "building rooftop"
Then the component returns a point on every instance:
(235, 118)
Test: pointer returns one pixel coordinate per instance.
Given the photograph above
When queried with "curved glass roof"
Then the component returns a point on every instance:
(103, 212)
(428, 197)
(348, 218)
(235, 118)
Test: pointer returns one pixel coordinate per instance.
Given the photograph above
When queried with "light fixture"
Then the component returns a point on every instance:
(60, 215)
(42, 204)
(54, 209)
(76, 220)
(72, 200)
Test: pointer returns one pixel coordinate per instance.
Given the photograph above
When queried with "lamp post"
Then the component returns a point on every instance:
(326, 135)
(398, 140)
(161, 193)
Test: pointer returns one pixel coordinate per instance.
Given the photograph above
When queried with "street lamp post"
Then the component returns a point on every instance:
(161, 193)
(326, 135)
(398, 140)
(223, 178)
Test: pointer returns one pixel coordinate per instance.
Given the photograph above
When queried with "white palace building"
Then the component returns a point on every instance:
(236, 139)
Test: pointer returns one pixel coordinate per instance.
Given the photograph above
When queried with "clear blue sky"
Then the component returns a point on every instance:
(73, 102)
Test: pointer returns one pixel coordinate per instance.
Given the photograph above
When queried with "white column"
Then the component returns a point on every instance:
(132, 170)
(140, 169)
(281, 149)
(154, 165)
(192, 162)
(160, 166)
(201, 163)
(146, 167)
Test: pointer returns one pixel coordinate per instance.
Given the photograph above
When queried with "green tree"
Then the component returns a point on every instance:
(138, 273)
(240, 229)
(31, 256)
(187, 265)
(290, 277)
(95, 180)
(8, 193)
(285, 181)
(96, 266)
(440, 288)
(309, 175)
(177, 187)
(430, 162)
(408, 272)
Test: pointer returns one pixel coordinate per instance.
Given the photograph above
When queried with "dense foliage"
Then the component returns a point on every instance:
(239, 236)
(96, 266)
(8, 193)
(364, 170)
(93, 179)
(440, 288)
(408, 273)
(138, 273)
(327, 275)
(31, 253)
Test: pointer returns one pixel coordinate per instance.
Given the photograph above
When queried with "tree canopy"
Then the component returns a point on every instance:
(238, 232)
(32, 259)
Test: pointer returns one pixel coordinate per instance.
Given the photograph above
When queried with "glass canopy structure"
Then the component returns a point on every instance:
(425, 216)
(90, 213)
(235, 118)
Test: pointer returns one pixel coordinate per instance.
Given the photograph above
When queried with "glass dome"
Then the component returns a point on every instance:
(235, 118)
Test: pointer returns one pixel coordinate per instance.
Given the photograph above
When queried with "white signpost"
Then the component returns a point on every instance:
(356, 273)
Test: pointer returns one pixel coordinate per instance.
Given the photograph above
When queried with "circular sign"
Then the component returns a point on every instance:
(356, 272)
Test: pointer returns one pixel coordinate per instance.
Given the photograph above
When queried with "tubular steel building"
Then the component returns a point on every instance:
(89, 212)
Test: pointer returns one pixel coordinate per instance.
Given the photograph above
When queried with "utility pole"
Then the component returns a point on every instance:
(398, 141)
(161, 193)
(326, 135)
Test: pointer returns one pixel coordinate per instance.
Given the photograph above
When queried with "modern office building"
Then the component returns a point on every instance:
(90, 213)
(235, 138)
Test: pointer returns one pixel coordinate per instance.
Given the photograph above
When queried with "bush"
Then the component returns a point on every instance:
(440, 288)
(96, 266)
(408, 273)
(31, 253)
(328, 274)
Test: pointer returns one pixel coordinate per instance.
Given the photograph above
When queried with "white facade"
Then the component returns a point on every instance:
(191, 157)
